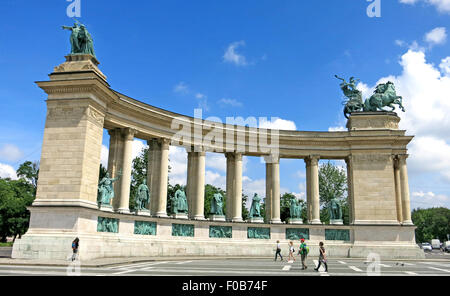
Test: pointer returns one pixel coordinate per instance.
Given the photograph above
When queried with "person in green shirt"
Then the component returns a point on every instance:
(303, 250)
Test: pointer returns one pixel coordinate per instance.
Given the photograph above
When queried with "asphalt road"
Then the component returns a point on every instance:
(239, 267)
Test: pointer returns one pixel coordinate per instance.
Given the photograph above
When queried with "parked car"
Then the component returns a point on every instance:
(426, 247)
(435, 244)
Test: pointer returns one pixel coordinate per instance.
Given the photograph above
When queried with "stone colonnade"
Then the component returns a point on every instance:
(157, 178)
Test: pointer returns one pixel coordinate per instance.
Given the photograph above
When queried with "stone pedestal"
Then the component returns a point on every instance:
(256, 220)
(336, 222)
(180, 216)
(143, 212)
(105, 208)
(217, 218)
(295, 221)
(373, 121)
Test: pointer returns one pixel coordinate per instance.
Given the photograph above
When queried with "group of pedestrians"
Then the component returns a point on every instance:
(303, 251)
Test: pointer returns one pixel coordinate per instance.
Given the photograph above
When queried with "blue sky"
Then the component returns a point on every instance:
(241, 58)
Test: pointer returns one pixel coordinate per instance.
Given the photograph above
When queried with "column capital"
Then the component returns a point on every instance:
(348, 159)
(312, 160)
(165, 143)
(113, 132)
(273, 158)
(402, 157)
(129, 133)
(229, 155)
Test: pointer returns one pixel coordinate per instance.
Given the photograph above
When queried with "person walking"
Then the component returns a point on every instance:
(322, 258)
(278, 252)
(291, 251)
(303, 251)
(75, 245)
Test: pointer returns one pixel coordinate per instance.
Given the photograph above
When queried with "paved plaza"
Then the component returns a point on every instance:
(238, 267)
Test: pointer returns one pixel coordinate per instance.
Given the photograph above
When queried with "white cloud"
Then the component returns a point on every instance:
(202, 101)
(441, 5)
(250, 187)
(429, 199)
(231, 102)
(278, 124)
(231, 56)
(181, 88)
(104, 156)
(7, 171)
(10, 153)
(436, 36)
(216, 161)
(445, 66)
(425, 94)
(337, 129)
(178, 164)
(216, 179)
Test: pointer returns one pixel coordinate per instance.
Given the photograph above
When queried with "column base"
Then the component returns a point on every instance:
(123, 211)
(217, 218)
(142, 212)
(105, 208)
(256, 220)
(315, 222)
(276, 221)
(238, 219)
(180, 216)
(161, 215)
(199, 218)
(337, 222)
(295, 221)
(407, 223)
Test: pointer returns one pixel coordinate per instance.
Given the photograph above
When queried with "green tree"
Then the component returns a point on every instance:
(30, 172)
(433, 223)
(332, 184)
(285, 207)
(15, 196)
(245, 211)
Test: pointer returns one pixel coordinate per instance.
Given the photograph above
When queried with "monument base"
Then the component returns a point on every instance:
(337, 222)
(105, 208)
(217, 218)
(52, 230)
(143, 212)
(180, 216)
(256, 220)
(295, 221)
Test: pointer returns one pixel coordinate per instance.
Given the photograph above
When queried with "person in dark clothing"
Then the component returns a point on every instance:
(75, 245)
(278, 252)
(322, 258)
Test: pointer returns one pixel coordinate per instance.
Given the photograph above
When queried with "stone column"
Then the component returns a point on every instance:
(315, 199)
(398, 191)
(308, 190)
(404, 185)
(275, 188)
(199, 186)
(125, 179)
(190, 182)
(230, 186)
(162, 181)
(152, 173)
(351, 203)
(237, 186)
(115, 158)
(268, 199)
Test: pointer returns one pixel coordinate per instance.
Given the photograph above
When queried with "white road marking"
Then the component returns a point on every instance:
(125, 271)
(440, 269)
(290, 261)
(134, 266)
(342, 262)
(287, 267)
(183, 262)
(323, 273)
(436, 263)
(355, 268)
(384, 265)
(410, 273)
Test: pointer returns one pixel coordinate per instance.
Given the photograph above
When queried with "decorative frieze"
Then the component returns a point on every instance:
(107, 225)
(297, 233)
(144, 228)
(258, 233)
(182, 230)
(220, 231)
(337, 234)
